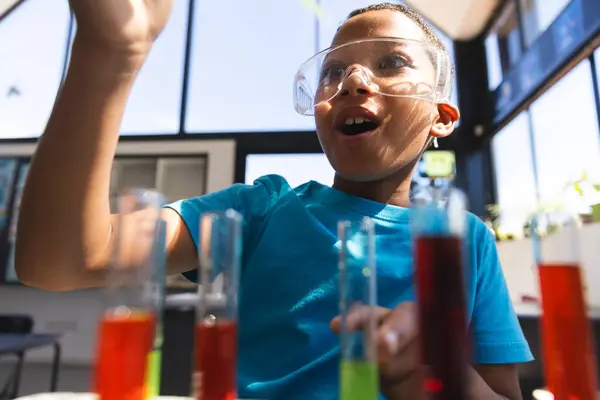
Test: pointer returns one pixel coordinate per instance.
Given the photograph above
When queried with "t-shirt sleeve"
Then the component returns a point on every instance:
(498, 336)
(251, 201)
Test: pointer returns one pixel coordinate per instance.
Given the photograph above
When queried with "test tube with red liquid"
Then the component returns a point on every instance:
(568, 349)
(220, 249)
(126, 330)
(438, 222)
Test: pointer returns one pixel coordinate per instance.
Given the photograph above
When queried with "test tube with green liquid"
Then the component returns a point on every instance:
(158, 281)
(358, 288)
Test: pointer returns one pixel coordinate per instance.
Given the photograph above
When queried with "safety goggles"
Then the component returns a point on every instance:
(387, 66)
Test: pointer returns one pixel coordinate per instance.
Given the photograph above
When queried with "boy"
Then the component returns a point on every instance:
(374, 118)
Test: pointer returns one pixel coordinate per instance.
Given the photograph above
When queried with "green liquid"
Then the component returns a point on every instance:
(359, 380)
(153, 374)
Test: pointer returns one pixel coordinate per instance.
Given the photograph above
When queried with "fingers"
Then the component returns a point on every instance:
(397, 346)
(399, 328)
(398, 349)
(397, 367)
(358, 318)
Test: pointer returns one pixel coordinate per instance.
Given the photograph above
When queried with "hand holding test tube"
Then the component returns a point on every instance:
(358, 367)
(378, 345)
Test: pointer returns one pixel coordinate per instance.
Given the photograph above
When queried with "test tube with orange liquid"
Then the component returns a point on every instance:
(126, 331)
(568, 349)
(215, 357)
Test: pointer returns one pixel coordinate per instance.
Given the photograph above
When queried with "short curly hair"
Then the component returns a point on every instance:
(430, 34)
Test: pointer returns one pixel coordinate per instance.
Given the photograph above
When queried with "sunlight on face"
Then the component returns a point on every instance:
(405, 122)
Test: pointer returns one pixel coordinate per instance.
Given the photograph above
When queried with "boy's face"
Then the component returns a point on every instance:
(403, 124)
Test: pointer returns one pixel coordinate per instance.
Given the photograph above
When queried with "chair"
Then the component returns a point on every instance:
(14, 324)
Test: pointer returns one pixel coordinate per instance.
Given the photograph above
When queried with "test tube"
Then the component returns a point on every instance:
(568, 350)
(438, 224)
(128, 324)
(158, 282)
(220, 247)
(358, 279)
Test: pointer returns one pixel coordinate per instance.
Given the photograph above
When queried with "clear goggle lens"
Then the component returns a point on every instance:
(387, 66)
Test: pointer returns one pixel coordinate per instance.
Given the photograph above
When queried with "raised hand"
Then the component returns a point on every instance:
(128, 26)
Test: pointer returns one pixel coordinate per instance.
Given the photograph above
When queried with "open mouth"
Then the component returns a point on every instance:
(357, 125)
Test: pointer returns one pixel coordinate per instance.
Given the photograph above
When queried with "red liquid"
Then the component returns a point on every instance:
(442, 317)
(569, 354)
(123, 347)
(215, 372)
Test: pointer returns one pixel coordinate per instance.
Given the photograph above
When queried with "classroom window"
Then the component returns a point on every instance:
(537, 15)
(597, 62)
(566, 136)
(31, 65)
(154, 106)
(514, 175)
(243, 64)
(503, 45)
(23, 169)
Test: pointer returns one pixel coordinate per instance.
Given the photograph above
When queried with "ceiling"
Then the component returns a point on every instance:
(5, 5)
(459, 19)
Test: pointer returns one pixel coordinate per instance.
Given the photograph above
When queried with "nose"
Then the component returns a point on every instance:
(355, 82)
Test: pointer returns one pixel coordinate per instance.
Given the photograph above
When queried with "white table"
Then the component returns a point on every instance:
(84, 396)
(537, 395)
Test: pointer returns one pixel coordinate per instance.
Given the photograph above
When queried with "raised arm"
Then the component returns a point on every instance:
(63, 235)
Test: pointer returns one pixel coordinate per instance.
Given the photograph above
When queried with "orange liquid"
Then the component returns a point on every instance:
(569, 354)
(216, 361)
(123, 347)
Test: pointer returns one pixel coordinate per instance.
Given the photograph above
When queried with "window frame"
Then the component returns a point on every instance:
(499, 17)
(594, 59)
(65, 63)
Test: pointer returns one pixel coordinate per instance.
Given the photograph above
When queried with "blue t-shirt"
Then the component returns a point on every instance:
(289, 283)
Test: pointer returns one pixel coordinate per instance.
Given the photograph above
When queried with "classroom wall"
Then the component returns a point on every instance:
(76, 313)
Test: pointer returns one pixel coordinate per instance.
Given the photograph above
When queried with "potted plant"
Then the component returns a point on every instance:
(590, 197)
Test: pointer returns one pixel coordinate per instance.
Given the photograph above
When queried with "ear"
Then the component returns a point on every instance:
(445, 121)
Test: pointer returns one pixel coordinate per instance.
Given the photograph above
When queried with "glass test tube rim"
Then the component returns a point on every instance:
(364, 226)
(229, 296)
(451, 201)
(544, 239)
(131, 200)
